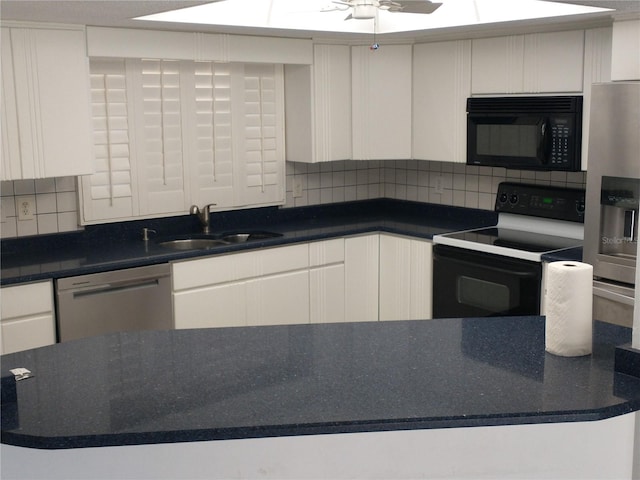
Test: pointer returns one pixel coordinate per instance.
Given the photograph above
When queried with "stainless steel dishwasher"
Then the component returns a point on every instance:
(125, 300)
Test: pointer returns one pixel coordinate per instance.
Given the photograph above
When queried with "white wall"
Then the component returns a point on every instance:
(595, 450)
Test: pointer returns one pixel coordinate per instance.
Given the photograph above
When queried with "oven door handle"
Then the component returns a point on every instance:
(516, 273)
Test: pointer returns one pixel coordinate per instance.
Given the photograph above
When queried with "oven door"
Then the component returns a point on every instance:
(467, 283)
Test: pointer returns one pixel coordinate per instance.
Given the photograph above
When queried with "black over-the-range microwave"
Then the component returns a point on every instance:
(528, 133)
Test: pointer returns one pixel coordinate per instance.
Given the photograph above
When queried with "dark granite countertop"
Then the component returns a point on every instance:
(107, 247)
(213, 384)
(114, 246)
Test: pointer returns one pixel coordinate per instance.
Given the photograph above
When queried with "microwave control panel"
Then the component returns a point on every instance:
(541, 201)
(561, 147)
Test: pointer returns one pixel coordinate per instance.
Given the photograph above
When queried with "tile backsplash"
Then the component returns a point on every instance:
(56, 206)
(423, 181)
(56, 199)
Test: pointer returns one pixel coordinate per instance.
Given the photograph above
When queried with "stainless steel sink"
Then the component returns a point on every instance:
(204, 242)
(249, 236)
(193, 243)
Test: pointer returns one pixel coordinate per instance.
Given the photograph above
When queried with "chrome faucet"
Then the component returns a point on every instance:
(203, 216)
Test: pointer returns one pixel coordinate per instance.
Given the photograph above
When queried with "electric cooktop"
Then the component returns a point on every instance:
(532, 220)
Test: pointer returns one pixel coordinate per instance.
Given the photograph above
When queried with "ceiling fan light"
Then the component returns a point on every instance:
(364, 12)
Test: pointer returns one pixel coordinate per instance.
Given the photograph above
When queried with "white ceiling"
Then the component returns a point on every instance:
(121, 13)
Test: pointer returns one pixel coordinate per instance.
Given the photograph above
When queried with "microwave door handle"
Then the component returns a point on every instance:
(545, 135)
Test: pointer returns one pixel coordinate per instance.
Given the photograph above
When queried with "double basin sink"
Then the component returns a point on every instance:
(203, 241)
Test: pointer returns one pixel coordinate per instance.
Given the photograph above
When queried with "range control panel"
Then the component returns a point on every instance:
(541, 201)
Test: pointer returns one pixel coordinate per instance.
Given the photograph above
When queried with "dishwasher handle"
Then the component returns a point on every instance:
(115, 287)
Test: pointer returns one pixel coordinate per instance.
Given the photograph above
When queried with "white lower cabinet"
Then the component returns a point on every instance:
(283, 285)
(327, 281)
(361, 278)
(278, 299)
(405, 278)
(28, 319)
(261, 287)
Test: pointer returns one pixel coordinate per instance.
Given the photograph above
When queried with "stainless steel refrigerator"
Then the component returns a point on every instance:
(612, 199)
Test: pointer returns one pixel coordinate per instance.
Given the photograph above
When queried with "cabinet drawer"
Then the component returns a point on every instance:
(326, 252)
(238, 266)
(27, 333)
(29, 299)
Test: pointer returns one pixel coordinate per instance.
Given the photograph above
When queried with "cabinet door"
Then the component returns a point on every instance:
(597, 69)
(381, 102)
(405, 278)
(554, 62)
(395, 278)
(421, 280)
(361, 265)
(278, 299)
(625, 61)
(11, 159)
(439, 100)
(214, 306)
(27, 319)
(533, 63)
(318, 106)
(496, 65)
(48, 103)
(327, 281)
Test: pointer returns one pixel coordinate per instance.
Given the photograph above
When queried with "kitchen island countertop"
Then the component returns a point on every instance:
(249, 382)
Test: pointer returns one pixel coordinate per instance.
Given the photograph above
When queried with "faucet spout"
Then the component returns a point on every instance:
(203, 216)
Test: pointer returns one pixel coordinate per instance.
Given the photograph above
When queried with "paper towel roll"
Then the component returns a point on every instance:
(568, 307)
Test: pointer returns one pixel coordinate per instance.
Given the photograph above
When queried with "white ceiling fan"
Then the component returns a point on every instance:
(368, 9)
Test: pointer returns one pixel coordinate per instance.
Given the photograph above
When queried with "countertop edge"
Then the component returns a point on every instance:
(237, 433)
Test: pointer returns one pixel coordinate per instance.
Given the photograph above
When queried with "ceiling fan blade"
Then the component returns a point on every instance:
(415, 6)
(348, 17)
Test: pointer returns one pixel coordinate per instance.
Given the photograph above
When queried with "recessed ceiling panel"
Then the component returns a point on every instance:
(330, 16)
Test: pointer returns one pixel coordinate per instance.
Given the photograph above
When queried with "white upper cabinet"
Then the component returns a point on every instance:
(626, 50)
(46, 128)
(532, 63)
(597, 69)
(441, 85)
(381, 102)
(318, 106)
(172, 133)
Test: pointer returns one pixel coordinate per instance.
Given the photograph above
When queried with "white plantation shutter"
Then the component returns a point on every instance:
(261, 151)
(170, 133)
(212, 169)
(158, 135)
(108, 193)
